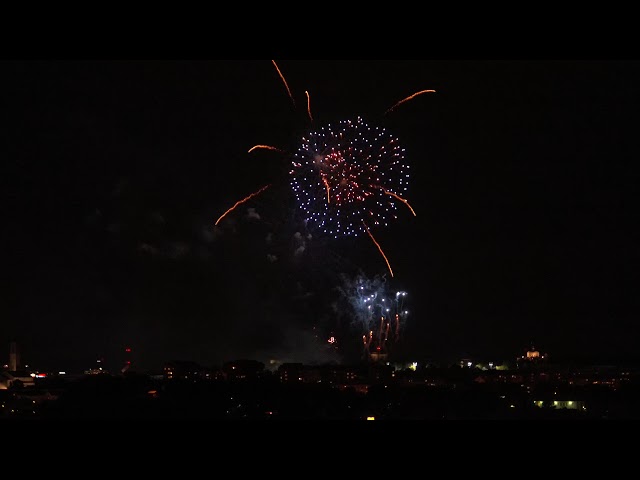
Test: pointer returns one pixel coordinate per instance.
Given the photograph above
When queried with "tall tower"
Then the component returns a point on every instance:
(14, 357)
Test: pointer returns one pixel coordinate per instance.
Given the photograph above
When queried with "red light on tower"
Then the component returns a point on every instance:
(127, 360)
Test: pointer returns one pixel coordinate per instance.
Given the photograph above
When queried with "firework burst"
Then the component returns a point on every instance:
(348, 178)
(376, 311)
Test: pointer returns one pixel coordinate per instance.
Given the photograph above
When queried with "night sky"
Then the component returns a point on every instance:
(523, 177)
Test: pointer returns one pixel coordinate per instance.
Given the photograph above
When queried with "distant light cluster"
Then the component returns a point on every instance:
(348, 177)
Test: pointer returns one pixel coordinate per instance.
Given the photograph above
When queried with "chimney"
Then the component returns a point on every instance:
(14, 357)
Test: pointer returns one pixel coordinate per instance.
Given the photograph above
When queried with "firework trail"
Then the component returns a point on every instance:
(308, 106)
(240, 202)
(284, 81)
(410, 97)
(380, 249)
(264, 147)
(399, 198)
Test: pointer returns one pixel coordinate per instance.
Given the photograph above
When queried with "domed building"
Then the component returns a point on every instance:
(531, 357)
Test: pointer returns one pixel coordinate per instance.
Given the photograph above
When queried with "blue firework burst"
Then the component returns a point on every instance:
(349, 177)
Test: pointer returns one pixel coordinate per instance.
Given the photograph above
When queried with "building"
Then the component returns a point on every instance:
(16, 379)
(532, 357)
